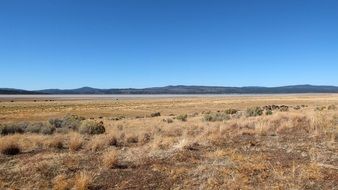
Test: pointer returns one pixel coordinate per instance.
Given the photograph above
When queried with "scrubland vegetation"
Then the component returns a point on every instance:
(165, 144)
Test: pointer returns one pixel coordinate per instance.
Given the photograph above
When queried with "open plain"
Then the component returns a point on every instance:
(169, 142)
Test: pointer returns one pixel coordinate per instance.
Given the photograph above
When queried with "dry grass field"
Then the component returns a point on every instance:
(235, 142)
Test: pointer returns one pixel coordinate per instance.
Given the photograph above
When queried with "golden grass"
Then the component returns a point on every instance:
(75, 142)
(285, 150)
(110, 159)
(83, 180)
(61, 182)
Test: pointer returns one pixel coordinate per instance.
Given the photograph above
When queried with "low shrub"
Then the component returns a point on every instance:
(7, 129)
(43, 128)
(156, 114)
(284, 108)
(212, 117)
(320, 108)
(268, 112)
(112, 141)
(92, 127)
(253, 112)
(331, 107)
(182, 117)
(132, 139)
(57, 123)
(231, 111)
(168, 120)
(72, 122)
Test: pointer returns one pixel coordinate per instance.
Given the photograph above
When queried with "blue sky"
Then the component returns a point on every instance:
(144, 43)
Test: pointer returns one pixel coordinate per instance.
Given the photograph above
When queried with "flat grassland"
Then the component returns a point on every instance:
(211, 142)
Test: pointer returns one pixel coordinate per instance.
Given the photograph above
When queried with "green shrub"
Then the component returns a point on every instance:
(212, 117)
(268, 112)
(72, 122)
(156, 114)
(57, 123)
(13, 128)
(34, 128)
(91, 127)
(182, 117)
(43, 128)
(47, 129)
(255, 111)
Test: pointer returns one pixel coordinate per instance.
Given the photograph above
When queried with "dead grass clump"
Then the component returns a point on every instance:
(92, 127)
(48, 169)
(9, 146)
(98, 143)
(55, 142)
(75, 142)
(83, 180)
(60, 182)
(173, 132)
(110, 159)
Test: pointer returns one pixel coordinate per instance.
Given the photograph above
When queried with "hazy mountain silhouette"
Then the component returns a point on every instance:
(182, 89)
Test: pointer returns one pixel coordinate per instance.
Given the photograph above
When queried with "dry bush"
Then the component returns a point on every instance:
(9, 145)
(75, 142)
(83, 180)
(110, 159)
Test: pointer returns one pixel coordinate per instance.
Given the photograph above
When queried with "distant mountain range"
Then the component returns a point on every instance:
(181, 89)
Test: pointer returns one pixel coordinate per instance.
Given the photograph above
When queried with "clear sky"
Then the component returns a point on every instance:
(144, 43)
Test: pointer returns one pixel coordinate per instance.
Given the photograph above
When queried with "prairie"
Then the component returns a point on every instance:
(187, 142)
